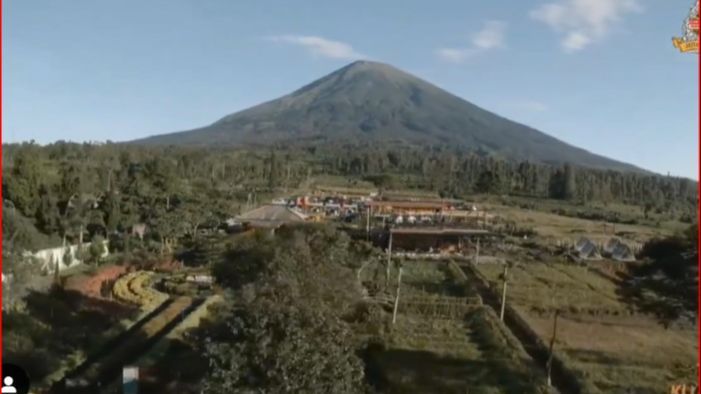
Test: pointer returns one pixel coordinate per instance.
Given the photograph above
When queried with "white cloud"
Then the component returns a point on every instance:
(583, 21)
(575, 41)
(491, 36)
(553, 14)
(320, 46)
(454, 55)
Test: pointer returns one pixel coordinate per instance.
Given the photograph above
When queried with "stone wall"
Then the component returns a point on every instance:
(48, 257)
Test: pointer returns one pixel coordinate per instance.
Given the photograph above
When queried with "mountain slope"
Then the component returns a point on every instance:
(377, 102)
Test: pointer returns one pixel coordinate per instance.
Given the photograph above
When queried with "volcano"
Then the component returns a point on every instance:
(378, 103)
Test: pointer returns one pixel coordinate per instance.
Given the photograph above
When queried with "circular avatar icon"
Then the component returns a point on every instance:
(14, 380)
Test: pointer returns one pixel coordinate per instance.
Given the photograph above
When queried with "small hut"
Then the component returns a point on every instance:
(586, 249)
(618, 250)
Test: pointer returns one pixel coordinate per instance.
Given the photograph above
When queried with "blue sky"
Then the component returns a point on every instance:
(599, 74)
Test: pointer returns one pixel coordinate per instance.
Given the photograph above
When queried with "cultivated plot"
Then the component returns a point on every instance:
(604, 339)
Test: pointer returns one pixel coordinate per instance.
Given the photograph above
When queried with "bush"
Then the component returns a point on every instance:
(658, 249)
(301, 348)
(96, 249)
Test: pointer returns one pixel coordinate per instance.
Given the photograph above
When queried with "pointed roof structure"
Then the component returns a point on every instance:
(618, 250)
(587, 250)
(271, 216)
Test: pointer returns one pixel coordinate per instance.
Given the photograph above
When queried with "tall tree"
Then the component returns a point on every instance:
(22, 187)
(48, 216)
(272, 174)
(570, 187)
(112, 212)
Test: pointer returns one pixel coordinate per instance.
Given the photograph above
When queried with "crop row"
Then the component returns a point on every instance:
(135, 288)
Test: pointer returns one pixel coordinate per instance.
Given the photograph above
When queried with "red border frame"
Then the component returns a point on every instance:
(698, 291)
(698, 208)
(1, 196)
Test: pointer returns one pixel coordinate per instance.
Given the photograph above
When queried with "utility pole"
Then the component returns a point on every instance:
(389, 258)
(57, 276)
(549, 364)
(503, 293)
(287, 179)
(109, 180)
(367, 222)
(396, 299)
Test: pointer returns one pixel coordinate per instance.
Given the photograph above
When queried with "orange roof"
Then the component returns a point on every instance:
(409, 204)
(438, 231)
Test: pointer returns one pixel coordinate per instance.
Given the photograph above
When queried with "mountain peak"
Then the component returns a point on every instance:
(364, 62)
(375, 102)
(367, 68)
(368, 64)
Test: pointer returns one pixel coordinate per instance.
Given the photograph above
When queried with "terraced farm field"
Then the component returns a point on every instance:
(602, 338)
(446, 348)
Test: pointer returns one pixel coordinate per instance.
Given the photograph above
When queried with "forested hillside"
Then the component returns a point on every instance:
(72, 191)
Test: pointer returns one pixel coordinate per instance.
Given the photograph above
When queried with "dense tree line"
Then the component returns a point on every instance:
(74, 190)
(457, 173)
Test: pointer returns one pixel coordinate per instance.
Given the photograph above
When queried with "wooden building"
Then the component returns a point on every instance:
(434, 239)
(427, 212)
(408, 208)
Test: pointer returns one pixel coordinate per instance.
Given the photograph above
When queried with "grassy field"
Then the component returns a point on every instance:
(550, 225)
(544, 288)
(618, 353)
(599, 335)
(341, 183)
(622, 211)
(411, 194)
